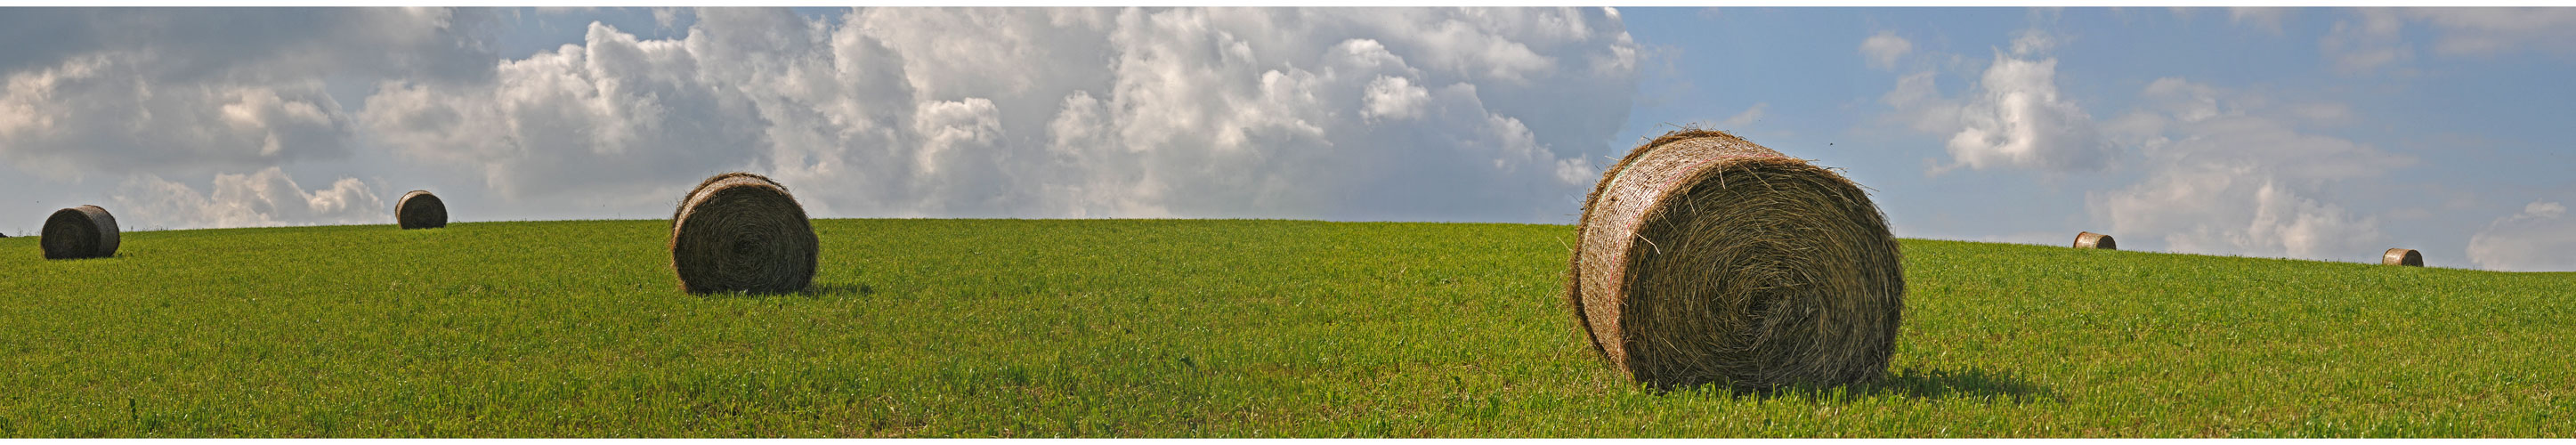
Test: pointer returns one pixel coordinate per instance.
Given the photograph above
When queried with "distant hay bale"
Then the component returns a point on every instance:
(2401, 257)
(79, 232)
(1705, 258)
(2090, 240)
(420, 210)
(742, 232)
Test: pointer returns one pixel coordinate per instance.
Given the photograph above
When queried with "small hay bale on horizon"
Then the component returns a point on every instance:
(1707, 259)
(420, 210)
(2401, 257)
(87, 231)
(742, 232)
(2090, 240)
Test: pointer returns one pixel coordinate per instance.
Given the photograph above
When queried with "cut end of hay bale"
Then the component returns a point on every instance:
(1705, 258)
(79, 232)
(2402, 257)
(420, 210)
(741, 232)
(2090, 240)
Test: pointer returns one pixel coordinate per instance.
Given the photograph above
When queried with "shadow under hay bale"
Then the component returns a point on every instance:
(420, 210)
(79, 232)
(2090, 240)
(741, 232)
(1704, 258)
(2401, 257)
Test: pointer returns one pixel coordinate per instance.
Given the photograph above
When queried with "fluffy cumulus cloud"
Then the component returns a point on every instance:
(2540, 238)
(2013, 117)
(2220, 171)
(121, 91)
(1338, 113)
(1882, 50)
(99, 94)
(2231, 179)
(264, 198)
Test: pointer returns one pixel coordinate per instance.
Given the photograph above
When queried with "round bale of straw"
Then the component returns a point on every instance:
(420, 210)
(79, 232)
(2402, 257)
(741, 232)
(2090, 240)
(1704, 258)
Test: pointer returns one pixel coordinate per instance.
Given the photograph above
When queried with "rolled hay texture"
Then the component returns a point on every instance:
(2090, 240)
(2401, 257)
(420, 210)
(1704, 258)
(79, 232)
(742, 232)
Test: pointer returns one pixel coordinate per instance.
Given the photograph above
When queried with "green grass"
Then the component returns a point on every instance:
(1208, 328)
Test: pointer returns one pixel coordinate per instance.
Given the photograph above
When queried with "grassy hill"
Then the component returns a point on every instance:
(1208, 328)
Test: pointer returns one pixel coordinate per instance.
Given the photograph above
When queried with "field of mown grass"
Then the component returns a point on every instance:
(1208, 328)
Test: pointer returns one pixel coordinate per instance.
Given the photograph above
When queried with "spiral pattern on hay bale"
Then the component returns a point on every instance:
(420, 210)
(79, 232)
(2401, 257)
(1705, 258)
(741, 232)
(2090, 240)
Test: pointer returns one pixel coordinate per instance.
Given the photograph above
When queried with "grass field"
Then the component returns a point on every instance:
(1208, 328)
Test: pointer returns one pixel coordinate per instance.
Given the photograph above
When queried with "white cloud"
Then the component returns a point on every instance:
(2033, 42)
(1882, 49)
(265, 198)
(2540, 238)
(2224, 172)
(1393, 98)
(102, 113)
(2013, 117)
(1334, 113)
(2016, 118)
(2220, 209)
(139, 94)
(2228, 178)
(1577, 171)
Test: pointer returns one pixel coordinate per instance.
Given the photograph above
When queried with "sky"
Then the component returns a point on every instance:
(2313, 133)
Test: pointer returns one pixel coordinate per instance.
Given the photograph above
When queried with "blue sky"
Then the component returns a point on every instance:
(2319, 133)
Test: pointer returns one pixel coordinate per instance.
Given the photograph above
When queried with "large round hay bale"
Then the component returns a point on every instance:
(2090, 240)
(79, 232)
(1704, 258)
(2401, 257)
(420, 210)
(742, 232)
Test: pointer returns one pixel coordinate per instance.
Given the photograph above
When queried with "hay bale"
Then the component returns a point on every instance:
(742, 232)
(79, 232)
(420, 210)
(2090, 240)
(2401, 257)
(1704, 258)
